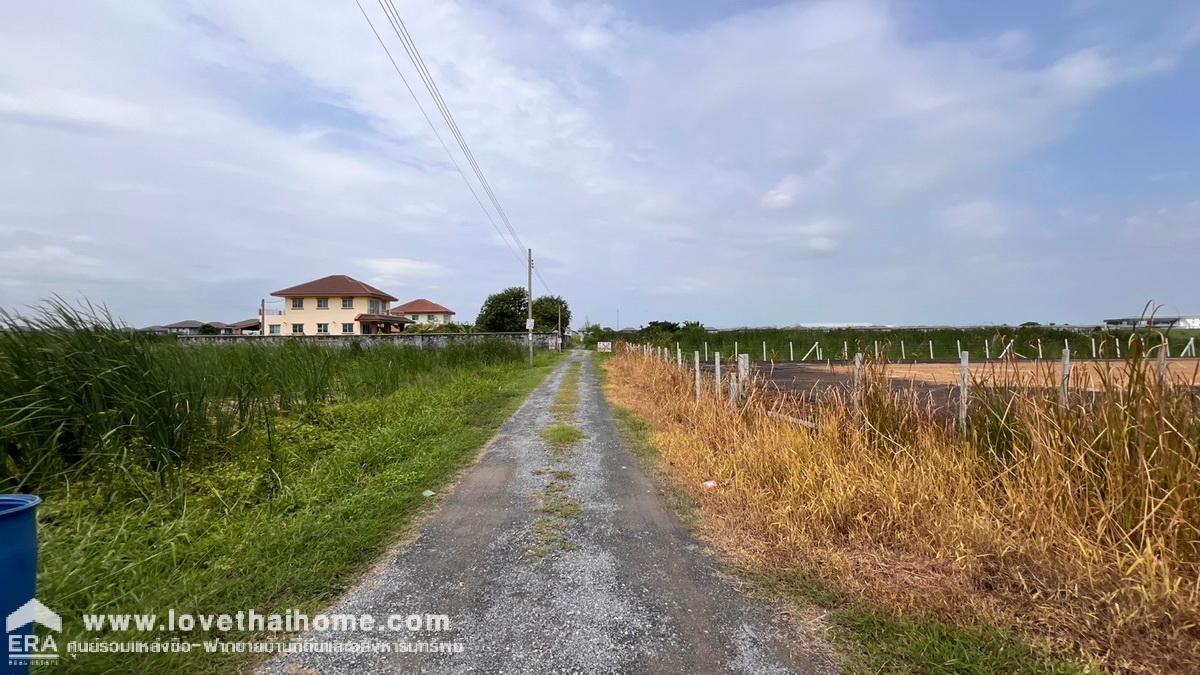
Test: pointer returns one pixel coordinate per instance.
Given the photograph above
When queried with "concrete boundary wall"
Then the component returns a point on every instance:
(418, 340)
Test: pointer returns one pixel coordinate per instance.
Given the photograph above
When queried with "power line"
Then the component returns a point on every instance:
(516, 251)
(414, 56)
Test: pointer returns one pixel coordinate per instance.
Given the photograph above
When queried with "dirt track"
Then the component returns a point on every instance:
(620, 586)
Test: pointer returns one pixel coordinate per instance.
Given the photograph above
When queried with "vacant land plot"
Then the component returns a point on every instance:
(1072, 522)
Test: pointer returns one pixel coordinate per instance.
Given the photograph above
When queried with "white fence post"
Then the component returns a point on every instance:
(735, 349)
(764, 350)
(877, 350)
(845, 351)
(1093, 348)
(791, 351)
(858, 363)
(958, 346)
(1117, 342)
(697, 355)
(743, 366)
(964, 378)
(987, 349)
(1066, 377)
(903, 353)
(678, 357)
(717, 371)
(931, 350)
(1039, 349)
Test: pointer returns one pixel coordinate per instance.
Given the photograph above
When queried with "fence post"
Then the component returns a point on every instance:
(1066, 345)
(697, 355)
(1066, 377)
(735, 349)
(1162, 366)
(706, 350)
(845, 351)
(791, 351)
(678, 357)
(964, 369)
(877, 350)
(743, 368)
(733, 388)
(1093, 348)
(903, 353)
(820, 352)
(987, 349)
(858, 362)
(931, 350)
(958, 346)
(1039, 349)
(1117, 344)
(717, 371)
(764, 350)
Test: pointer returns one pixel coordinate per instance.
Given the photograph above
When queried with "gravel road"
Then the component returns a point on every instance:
(561, 561)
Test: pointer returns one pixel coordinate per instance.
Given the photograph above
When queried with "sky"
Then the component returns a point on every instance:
(737, 163)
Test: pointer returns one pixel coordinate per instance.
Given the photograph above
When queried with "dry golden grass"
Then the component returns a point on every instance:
(1076, 525)
(1087, 374)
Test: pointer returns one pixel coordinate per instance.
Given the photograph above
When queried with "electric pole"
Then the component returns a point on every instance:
(529, 304)
(560, 334)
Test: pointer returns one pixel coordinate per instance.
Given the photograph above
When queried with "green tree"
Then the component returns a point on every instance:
(208, 329)
(545, 313)
(504, 312)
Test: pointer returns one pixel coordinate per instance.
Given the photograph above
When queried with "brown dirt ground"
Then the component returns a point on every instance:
(1089, 373)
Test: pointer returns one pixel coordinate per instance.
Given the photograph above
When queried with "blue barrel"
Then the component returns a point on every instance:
(18, 560)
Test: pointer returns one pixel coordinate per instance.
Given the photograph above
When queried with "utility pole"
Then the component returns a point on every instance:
(560, 333)
(529, 308)
(262, 317)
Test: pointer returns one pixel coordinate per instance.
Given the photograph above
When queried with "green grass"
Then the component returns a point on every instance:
(80, 393)
(560, 436)
(868, 639)
(874, 640)
(915, 341)
(268, 529)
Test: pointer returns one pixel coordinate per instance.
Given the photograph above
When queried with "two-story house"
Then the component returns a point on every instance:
(424, 312)
(333, 305)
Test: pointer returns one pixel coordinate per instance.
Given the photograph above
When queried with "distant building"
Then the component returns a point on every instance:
(188, 327)
(1189, 322)
(246, 327)
(424, 311)
(334, 305)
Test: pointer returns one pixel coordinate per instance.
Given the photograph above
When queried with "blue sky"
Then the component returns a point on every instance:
(738, 163)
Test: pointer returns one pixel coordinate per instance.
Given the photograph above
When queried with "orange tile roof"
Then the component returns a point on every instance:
(420, 306)
(336, 284)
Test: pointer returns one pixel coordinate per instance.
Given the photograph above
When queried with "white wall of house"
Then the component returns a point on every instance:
(322, 315)
(435, 318)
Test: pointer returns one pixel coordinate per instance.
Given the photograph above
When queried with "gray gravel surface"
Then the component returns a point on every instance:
(610, 583)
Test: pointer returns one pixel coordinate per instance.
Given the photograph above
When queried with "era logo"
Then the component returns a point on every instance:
(25, 648)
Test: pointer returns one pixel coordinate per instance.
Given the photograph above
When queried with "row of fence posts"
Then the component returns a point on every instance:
(1189, 349)
(739, 380)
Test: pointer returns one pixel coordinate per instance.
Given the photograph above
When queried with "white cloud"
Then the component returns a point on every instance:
(401, 271)
(227, 141)
(977, 218)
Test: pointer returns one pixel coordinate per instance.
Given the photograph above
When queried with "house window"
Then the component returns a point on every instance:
(322, 328)
(297, 329)
(414, 317)
(429, 317)
(322, 303)
(375, 306)
(347, 328)
(347, 303)
(297, 303)
(274, 329)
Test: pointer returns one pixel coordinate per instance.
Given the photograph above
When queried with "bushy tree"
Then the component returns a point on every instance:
(545, 313)
(504, 312)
